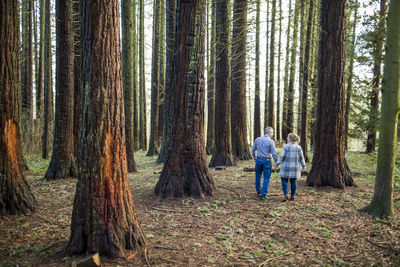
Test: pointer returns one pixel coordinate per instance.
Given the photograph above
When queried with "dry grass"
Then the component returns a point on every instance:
(321, 227)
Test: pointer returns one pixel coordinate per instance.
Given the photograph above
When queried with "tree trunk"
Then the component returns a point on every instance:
(257, 115)
(62, 163)
(240, 147)
(374, 96)
(278, 101)
(222, 155)
(155, 81)
(293, 51)
(303, 7)
(40, 70)
(266, 100)
(382, 201)
(103, 218)
(27, 75)
(186, 171)
(142, 82)
(15, 193)
(304, 104)
(285, 130)
(77, 74)
(161, 71)
(271, 94)
(351, 73)
(135, 79)
(211, 85)
(127, 77)
(329, 166)
(169, 53)
(48, 93)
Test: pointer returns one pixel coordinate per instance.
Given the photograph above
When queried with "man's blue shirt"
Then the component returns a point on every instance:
(264, 146)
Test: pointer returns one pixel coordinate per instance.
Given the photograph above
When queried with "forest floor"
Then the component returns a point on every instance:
(321, 227)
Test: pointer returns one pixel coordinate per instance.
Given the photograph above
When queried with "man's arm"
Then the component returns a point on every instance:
(253, 150)
(273, 151)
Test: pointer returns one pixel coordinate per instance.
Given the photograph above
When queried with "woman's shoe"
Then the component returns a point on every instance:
(285, 198)
(292, 198)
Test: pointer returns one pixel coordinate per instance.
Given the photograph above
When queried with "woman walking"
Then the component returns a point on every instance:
(292, 160)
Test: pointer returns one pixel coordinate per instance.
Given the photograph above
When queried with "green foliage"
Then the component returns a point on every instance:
(36, 164)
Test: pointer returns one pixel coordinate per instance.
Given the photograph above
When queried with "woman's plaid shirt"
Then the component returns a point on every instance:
(292, 160)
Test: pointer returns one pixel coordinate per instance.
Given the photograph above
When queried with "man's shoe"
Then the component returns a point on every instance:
(258, 194)
(292, 198)
(264, 197)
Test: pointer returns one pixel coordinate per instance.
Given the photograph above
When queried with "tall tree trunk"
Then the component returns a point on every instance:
(271, 94)
(161, 71)
(40, 70)
(285, 130)
(293, 51)
(48, 93)
(303, 7)
(169, 54)
(155, 81)
(266, 100)
(304, 109)
(240, 147)
(127, 78)
(329, 166)
(62, 163)
(15, 193)
(351, 73)
(104, 219)
(211, 84)
(222, 155)
(382, 201)
(142, 82)
(374, 97)
(77, 74)
(186, 171)
(278, 101)
(135, 78)
(27, 75)
(257, 113)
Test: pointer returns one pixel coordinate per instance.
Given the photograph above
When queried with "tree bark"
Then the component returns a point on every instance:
(285, 130)
(278, 100)
(240, 147)
(40, 70)
(142, 82)
(266, 100)
(169, 52)
(77, 74)
(161, 86)
(271, 93)
(186, 171)
(62, 163)
(257, 115)
(128, 79)
(211, 84)
(135, 79)
(374, 96)
(15, 193)
(222, 155)
(103, 218)
(382, 201)
(329, 166)
(155, 82)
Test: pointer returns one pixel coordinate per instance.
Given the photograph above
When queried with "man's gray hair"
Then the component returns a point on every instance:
(268, 130)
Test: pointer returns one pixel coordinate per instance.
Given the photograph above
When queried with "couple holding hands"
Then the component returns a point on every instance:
(291, 158)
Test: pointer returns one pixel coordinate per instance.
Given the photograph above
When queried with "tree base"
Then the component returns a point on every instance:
(185, 176)
(60, 169)
(243, 154)
(219, 159)
(378, 209)
(330, 173)
(131, 166)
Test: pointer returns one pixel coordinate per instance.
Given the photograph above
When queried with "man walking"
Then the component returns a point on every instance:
(265, 147)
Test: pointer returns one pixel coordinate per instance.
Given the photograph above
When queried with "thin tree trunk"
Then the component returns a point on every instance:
(304, 104)
(222, 155)
(104, 219)
(374, 97)
(329, 166)
(62, 163)
(382, 201)
(278, 101)
(15, 193)
(186, 171)
(161, 87)
(351, 73)
(77, 74)
(257, 115)
(40, 78)
(266, 100)
(240, 147)
(169, 53)
(155, 81)
(211, 85)
(303, 7)
(142, 82)
(271, 94)
(127, 77)
(135, 78)
(285, 130)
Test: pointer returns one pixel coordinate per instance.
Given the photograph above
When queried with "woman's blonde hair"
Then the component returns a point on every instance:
(294, 138)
